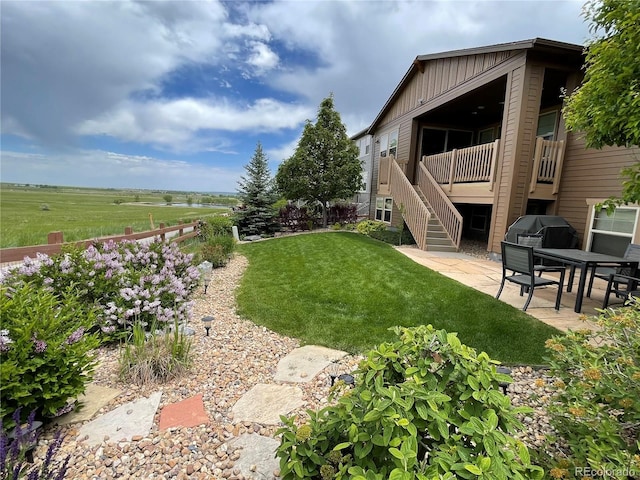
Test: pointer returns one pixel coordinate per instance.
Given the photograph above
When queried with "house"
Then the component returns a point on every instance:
(472, 139)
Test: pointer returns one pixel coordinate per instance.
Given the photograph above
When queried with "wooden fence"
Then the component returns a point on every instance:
(55, 241)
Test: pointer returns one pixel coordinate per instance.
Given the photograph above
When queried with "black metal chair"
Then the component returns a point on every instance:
(519, 260)
(632, 253)
(614, 284)
(535, 240)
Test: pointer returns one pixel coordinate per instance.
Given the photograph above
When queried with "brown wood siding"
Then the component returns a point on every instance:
(441, 75)
(590, 173)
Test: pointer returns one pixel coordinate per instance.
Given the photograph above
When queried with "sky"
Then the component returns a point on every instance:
(175, 95)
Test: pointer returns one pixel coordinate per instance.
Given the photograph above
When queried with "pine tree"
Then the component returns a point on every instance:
(257, 216)
(325, 165)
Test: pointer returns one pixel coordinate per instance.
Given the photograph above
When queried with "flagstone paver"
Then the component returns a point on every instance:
(187, 413)
(123, 423)
(257, 455)
(265, 403)
(304, 363)
(95, 397)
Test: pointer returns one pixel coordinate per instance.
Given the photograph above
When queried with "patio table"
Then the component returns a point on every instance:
(584, 261)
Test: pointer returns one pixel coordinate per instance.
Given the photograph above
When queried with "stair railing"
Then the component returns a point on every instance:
(446, 212)
(415, 212)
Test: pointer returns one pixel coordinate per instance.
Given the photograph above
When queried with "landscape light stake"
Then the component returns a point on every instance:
(207, 323)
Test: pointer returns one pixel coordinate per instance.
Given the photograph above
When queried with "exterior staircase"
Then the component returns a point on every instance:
(437, 239)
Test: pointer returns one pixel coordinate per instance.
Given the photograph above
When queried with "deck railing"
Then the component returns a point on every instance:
(547, 163)
(414, 210)
(472, 164)
(447, 213)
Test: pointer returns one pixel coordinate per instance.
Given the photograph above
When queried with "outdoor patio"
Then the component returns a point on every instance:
(485, 276)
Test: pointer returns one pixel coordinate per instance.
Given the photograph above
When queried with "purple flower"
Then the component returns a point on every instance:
(39, 345)
(5, 340)
(75, 336)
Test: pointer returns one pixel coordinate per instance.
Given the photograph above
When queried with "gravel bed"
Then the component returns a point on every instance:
(236, 356)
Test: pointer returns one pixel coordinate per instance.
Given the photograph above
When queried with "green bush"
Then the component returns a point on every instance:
(214, 226)
(367, 226)
(425, 407)
(218, 250)
(44, 350)
(596, 405)
(398, 237)
(154, 357)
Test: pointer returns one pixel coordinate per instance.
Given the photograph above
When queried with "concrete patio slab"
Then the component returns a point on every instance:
(304, 363)
(126, 421)
(187, 413)
(265, 403)
(257, 457)
(94, 398)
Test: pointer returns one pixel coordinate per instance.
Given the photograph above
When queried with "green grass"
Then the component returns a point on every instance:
(344, 290)
(85, 213)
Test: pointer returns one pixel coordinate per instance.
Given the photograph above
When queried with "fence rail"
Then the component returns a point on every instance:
(55, 241)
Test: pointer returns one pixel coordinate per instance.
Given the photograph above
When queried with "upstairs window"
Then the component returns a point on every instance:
(547, 125)
(389, 143)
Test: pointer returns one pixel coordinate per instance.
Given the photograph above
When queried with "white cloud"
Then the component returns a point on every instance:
(262, 57)
(277, 155)
(175, 124)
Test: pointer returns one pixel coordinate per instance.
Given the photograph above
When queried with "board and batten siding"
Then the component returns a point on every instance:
(442, 75)
(590, 173)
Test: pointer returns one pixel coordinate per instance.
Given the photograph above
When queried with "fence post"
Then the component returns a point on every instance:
(55, 237)
(128, 230)
(452, 167)
(162, 234)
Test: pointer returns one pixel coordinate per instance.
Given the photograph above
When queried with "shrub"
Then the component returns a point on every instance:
(218, 250)
(296, 218)
(13, 455)
(218, 225)
(342, 213)
(424, 407)
(127, 282)
(596, 405)
(44, 350)
(398, 237)
(367, 226)
(157, 356)
(336, 226)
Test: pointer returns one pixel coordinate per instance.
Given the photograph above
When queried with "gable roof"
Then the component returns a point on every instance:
(417, 65)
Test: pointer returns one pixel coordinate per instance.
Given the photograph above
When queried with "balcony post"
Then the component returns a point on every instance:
(452, 167)
(537, 157)
(558, 170)
(494, 161)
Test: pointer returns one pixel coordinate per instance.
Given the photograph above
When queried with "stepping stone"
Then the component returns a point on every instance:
(123, 423)
(304, 363)
(265, 403)
(187, 413)
(257, 457)
(94, 398)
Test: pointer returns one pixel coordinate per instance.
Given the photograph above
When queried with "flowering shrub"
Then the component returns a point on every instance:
(596, 406)
(366, 227)
(126, 282)
(44, 349)
(424, 407)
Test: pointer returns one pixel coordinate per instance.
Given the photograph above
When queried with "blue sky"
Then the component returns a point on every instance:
(176, 94)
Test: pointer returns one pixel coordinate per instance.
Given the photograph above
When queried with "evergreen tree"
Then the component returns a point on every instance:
(257, 215)
(325, 165)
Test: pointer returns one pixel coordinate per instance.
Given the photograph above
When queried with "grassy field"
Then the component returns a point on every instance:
(28, 214)
(344, 290)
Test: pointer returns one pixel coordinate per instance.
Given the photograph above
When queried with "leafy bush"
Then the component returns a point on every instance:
(596, 406)
(13, 453)
(367, 226)
(424, 407)
(154, 357)
(218, 250)
(127, 282)
(218, 225)
(398, 237)
(342, 213)
(296, 218)
(44, 350)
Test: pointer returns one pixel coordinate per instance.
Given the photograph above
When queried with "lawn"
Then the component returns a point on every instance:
(29, 214)
(344, 290)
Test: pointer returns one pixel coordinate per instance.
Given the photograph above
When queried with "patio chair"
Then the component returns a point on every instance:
(630, 284)
(519, 260)
(632, 253)
(535, 240)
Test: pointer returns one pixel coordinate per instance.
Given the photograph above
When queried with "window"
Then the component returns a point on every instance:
(611, 234)
(365, 178)
(487, 135)
(365, 145)
(547, 125)
(389, 143)
(384, 205)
